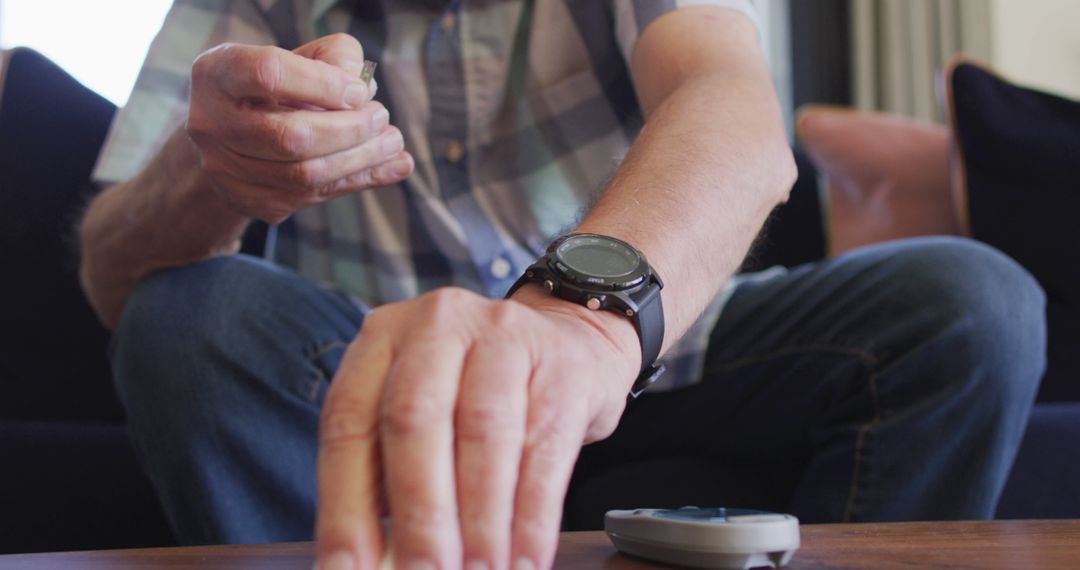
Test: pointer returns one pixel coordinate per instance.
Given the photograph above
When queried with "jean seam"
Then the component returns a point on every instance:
(313, 356)
(860, 449)
(859, 453)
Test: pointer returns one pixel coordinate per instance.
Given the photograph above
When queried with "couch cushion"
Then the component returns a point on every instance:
(68, 486)
(886, 176)
(1045, 480)
(1017, 180)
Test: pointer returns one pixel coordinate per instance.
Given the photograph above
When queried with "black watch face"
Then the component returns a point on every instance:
(600, 260)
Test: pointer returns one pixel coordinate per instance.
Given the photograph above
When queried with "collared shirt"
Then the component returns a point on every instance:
(516, 111)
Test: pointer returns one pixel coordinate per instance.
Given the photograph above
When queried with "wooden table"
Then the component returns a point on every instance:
(997, 544)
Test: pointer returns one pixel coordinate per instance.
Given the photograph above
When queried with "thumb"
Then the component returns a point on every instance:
(342, 51)
(339, 50)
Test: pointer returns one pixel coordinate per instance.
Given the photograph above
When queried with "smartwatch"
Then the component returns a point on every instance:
(603, 273)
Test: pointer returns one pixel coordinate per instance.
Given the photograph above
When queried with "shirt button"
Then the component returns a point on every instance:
(500, 268)
(455, 152)
(449, 22)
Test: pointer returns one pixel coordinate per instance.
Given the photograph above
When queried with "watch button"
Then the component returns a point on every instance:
(593, 303)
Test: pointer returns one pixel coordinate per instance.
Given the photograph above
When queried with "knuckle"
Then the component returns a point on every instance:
(506, 315)
(377, 322)
(488, 423)
(294, 140)
(307, 174)
(266, 70)
(328, 191)
(406, 416)
(444, 304)
(364, 179)
(378, 177)
(546, 450)
(344, 424)
(603, 426)
(455, 297)
(550, 436)
(204, 67)
(197, 126)
(371, 108)
(392, 133)
(341, 40)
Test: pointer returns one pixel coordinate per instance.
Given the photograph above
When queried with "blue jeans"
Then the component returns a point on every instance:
(900, 378)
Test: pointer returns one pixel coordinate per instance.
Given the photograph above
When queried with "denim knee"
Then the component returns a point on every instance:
(174, 320)
(222, 367)
(995, 308)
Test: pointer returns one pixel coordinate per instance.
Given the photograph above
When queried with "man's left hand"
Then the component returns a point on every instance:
(466, 416)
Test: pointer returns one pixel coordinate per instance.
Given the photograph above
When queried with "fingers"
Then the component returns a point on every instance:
(272, 191)
(417, 434)
(319, 176)
(471, 438)
(490, 426)
(552, 444)
(320, 172)
(288, 135)
(394, 170)
(295, 134)
(271, 73)
(347, 525)
(300, 123)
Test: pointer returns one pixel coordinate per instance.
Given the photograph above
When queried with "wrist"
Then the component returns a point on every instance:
(615, 330)
(177, 214)
(166, 216)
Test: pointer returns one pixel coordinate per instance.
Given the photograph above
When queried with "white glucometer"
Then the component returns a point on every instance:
(705, 538)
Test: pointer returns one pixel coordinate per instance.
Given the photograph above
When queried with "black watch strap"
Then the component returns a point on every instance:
(646, 379)
(650, 328)
(648, 323)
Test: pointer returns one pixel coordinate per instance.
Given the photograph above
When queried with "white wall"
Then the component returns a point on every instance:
(1037, 43)
(101, 43)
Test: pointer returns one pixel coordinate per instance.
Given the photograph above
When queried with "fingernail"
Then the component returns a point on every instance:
(356, 95)
(524, 564)
(340, 560)
(392, 144)
(380, 120)
(401, 167)
(476, 565)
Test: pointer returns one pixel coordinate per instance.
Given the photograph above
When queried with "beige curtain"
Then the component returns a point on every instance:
(901, 45)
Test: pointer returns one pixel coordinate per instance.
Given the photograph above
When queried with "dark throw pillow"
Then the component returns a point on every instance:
(1017, 167)
(53, 363)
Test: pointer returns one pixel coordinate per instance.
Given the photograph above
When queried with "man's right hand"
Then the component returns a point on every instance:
(278, 131)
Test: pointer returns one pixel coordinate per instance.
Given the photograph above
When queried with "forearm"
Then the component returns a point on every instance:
(169, 215)
(701, 179)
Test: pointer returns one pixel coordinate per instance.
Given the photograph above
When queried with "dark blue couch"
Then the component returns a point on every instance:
(70, 479)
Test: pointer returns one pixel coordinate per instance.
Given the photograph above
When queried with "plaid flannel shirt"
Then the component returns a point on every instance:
(517, 112)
